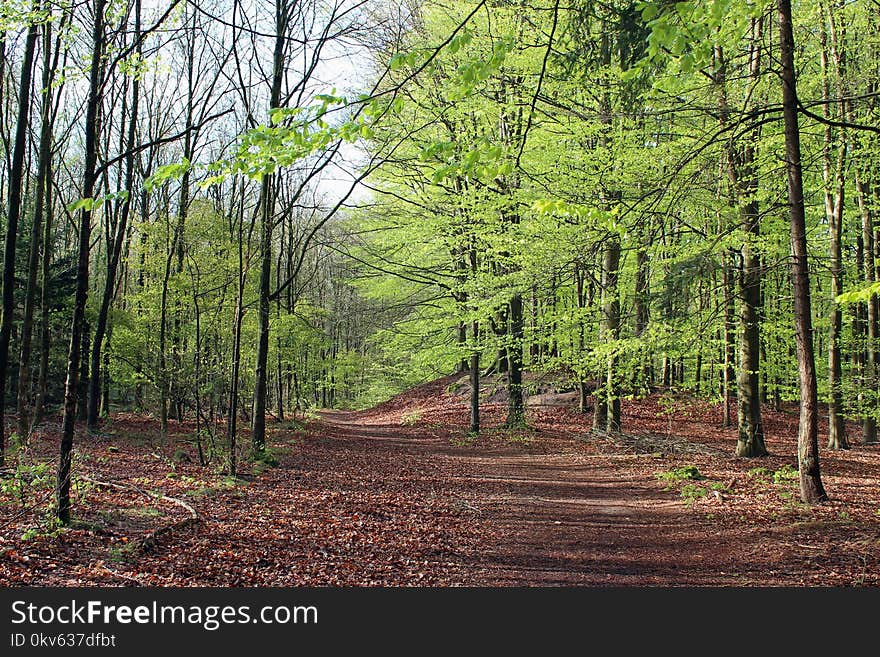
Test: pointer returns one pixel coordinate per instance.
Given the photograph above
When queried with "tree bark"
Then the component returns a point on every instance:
(115, 248)
(812, 490)
(642, 309)
(869, 359)
(475, 382)
(266, 224)
(611, 313)
(833, 178)
(36, 237)
(744, 187)
(16, 182)
(516, 402)
(92, 131)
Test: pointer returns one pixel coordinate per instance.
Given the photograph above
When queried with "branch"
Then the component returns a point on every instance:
(159, 141)
(837, 124)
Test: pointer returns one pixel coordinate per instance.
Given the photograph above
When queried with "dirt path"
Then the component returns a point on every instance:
(552, 518)
(398, 496)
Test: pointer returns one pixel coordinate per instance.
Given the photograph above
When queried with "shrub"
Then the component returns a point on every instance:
(684, 473)
(785, 475)
(690, 493)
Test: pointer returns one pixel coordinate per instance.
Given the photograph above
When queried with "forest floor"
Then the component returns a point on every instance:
(400, 496)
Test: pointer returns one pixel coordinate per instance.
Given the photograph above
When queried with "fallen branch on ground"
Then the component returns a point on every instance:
(149, 541)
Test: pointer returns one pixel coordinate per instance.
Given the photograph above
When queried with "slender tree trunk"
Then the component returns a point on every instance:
(115, 248)
(744, 186)
(812, 490)
(461, 341)
(48, 243)
(92, 132)
(751, 427)
(16, 181)
(642, 306)
(83, 387)
(516, 403)
(606, 414)
(197, 372)
(260, 383)
(475, 381)
(45, 154)
(869, 363)
(232, 410)
(612, 328)
(268, 216)
(832, 173)
(45, 336)
(163, 374)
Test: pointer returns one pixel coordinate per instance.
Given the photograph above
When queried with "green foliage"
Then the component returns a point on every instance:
(411, 418)
(760, 473)
(690, 493)
(468, 440)
(512, 149)
(686, 31)
(683, 473)
(27, 484)
(265, 458)
(859, 294)
(786, 475)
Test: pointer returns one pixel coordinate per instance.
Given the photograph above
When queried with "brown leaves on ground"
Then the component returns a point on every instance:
(401, 496)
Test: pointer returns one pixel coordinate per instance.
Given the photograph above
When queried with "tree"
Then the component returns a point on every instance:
(811, 487)
(16, 182)
(92, 128)
(117, 234)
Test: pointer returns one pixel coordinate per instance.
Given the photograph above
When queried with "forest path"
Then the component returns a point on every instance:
(548, 517)
(398, 496)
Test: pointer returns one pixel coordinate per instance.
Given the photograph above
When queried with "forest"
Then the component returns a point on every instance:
(432, 292)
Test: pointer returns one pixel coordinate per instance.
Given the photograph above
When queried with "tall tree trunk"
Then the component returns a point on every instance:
(232, 410)
(729, 342)
(92, 131)
(642, 309)
(611, 314)
(163, 374)
(16, 181)
(833, 178)
(266, 223)
(751, 428)
(45, 275)
(811, 487)
(744, 186)
(869, 364)
(45, 334)
(115, 248)
(36, 237)
(83, 386)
